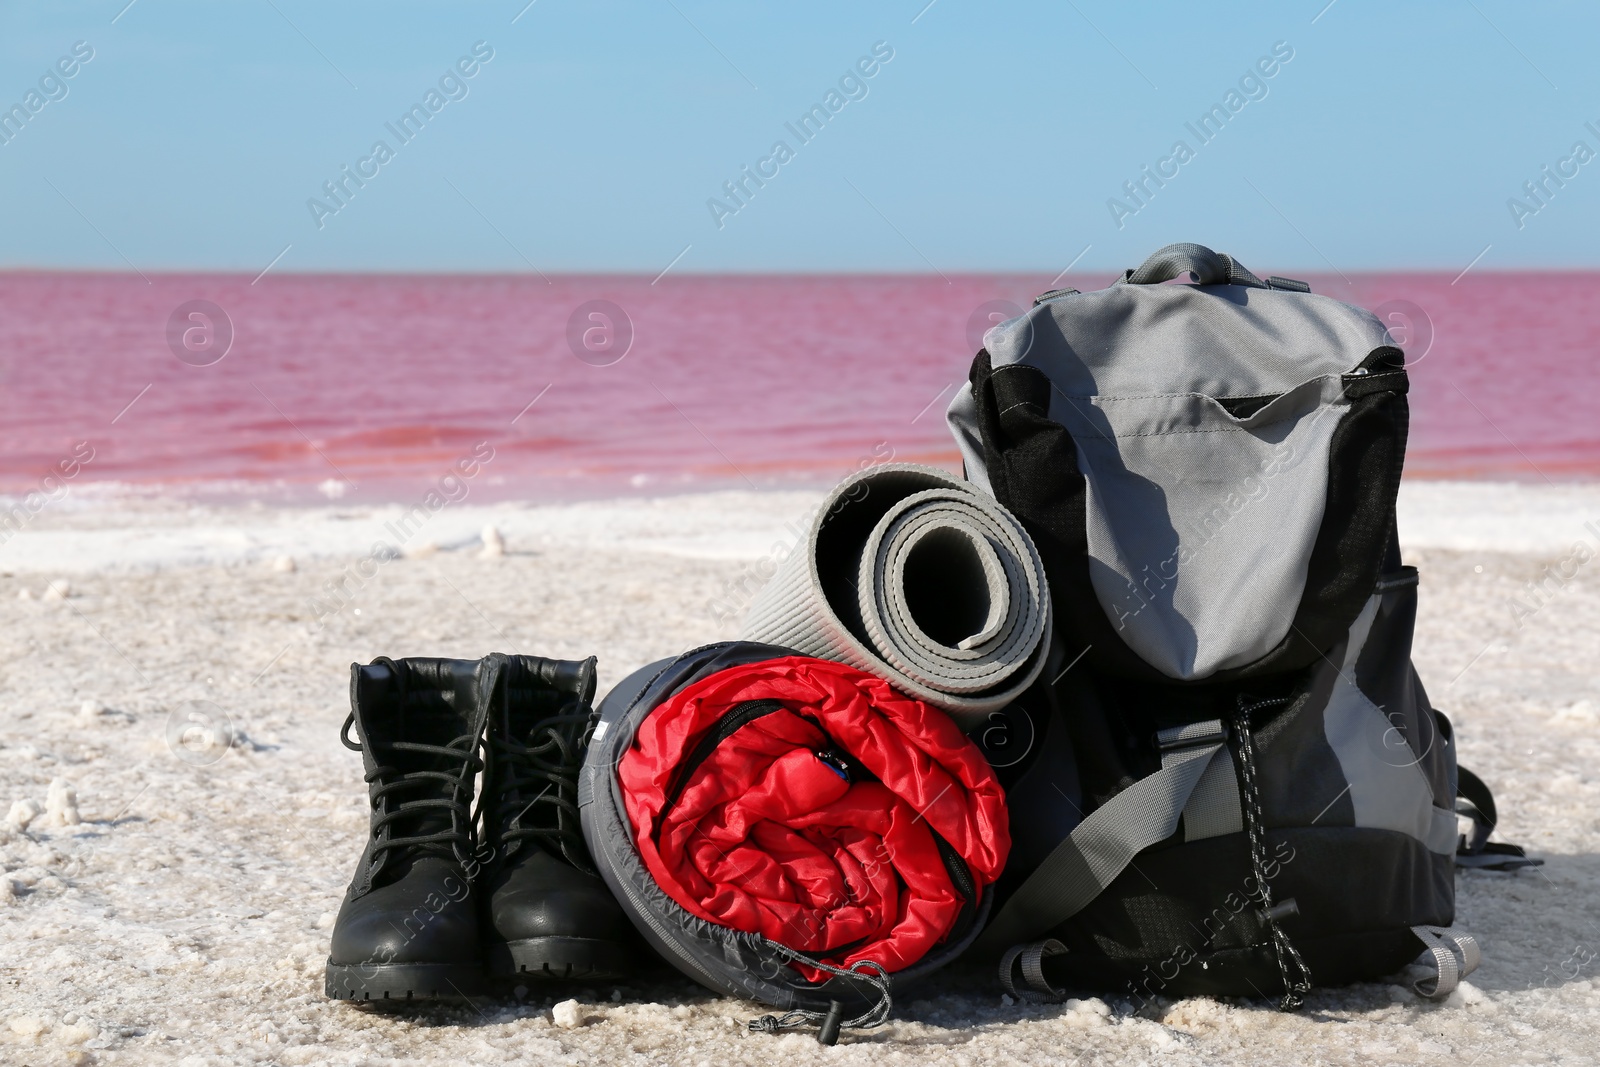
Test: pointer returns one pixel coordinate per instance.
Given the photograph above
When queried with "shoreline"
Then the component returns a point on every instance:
(86, 536)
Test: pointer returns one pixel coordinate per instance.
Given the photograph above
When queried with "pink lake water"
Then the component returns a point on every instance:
(372, 387)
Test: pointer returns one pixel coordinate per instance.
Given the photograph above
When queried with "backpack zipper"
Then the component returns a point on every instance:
(960, 876)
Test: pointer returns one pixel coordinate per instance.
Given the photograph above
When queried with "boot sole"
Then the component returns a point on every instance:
(573, 959)
(400, 983)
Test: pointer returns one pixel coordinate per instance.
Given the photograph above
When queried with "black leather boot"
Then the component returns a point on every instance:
(547, 914)
(408, 928)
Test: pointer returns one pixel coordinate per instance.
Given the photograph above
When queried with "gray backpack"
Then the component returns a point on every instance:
(1229, 779)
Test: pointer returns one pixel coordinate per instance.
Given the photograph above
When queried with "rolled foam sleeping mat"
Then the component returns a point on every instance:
(918, 577)
(791, 829)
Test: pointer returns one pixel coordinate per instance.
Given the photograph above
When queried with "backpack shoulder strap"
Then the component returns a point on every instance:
(1105, 843)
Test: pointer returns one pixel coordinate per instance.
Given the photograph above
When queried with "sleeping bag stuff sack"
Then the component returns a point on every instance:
(790, 829)
(914, 575)
(1234, 783)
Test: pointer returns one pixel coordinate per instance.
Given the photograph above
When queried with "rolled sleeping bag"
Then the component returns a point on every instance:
(790, 829)
(919, 577)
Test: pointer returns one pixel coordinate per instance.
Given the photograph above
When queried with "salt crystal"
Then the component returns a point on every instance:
(59, 589)
(1582, 713)
(1095, 1006)
(91, 710)
(567, 1015)
(75, 1033)
(23, 812)
(494, 546)
(284, 565)
(23, 594)
(1163, 1040)
(421, 551)
(27, 1026)
(62, 803)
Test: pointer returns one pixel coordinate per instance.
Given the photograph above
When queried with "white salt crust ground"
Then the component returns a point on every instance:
(185, 919)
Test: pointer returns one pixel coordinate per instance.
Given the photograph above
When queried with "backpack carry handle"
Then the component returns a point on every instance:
(1212, 268)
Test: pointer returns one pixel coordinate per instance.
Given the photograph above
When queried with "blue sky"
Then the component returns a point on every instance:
(993, 139)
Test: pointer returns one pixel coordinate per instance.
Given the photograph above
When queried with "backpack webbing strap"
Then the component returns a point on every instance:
(1105, 843)
(1032, 956)
(1479, 806)
(1454, 957)
(1213, 808)
(1474, 800)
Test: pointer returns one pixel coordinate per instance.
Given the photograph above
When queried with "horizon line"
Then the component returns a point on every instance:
(363, 272)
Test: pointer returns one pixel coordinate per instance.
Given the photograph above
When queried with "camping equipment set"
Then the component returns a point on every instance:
(1130, 708)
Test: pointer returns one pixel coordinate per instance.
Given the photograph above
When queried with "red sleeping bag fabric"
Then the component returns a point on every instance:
(766, 837)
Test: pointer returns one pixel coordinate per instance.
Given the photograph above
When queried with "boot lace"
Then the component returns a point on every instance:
(547, 767)
(452, 843)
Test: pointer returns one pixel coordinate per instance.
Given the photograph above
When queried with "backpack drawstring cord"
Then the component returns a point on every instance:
(830, 1022)
(1289, 959)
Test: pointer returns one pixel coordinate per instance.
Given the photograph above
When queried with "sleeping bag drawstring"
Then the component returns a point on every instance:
(1294, 989)
(829, 1023)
